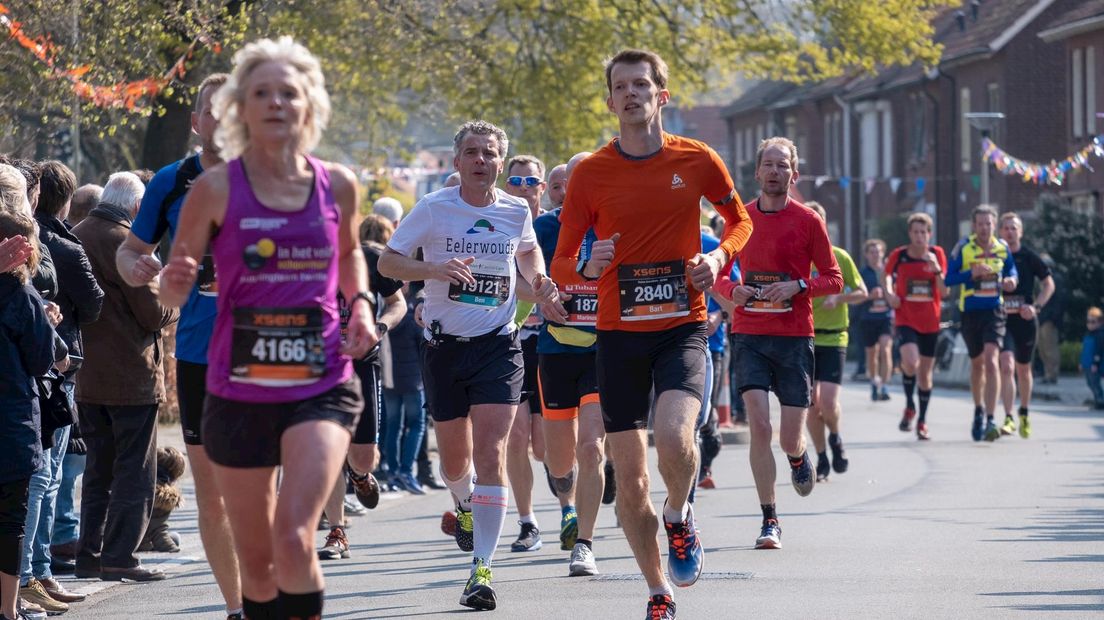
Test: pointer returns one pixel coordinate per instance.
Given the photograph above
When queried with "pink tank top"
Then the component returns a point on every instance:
(277, 334)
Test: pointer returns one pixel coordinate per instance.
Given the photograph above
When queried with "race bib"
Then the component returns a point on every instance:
(582, 308)
(1013, 303)
(491, 288)
(277, 346)
(758, 280)
(879, 306)
(653, 291)
(205, 277)
(919, 290)
(987, 286)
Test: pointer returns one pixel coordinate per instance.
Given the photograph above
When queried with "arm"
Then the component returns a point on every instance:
(86, 294)
(566, 260)
(136, 262)
(36, 342)
(531, 265)
(829, 279)
(955, 274)
(352, 270)
(1010, 276)
(394, 309)
(202, 212)
(45, 279)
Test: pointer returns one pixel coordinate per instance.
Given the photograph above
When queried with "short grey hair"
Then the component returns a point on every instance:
(480, 128)
(13, 191)
(123, 189)
(389, 208)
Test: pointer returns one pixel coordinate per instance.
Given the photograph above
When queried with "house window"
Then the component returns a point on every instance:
(1083, 95)
(1090, 91)
(919, 147)
(964, 130)
(993, 94)
(887, 141)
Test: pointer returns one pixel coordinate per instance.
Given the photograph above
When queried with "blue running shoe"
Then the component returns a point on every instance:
(685, 556)
(802, 476)
(569, 528)
(978, 430)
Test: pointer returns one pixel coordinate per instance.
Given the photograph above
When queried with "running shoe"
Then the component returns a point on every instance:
(685, 556)
(528, 540)
(802, 476)
(569, 528)
(609, 493)
(408, 483)
(448, 523)
(884, 395)
(1025, 427)
(992, 433)
(770, 537)
(874, 393)
(582, 562)
(824, 467)
(237, 615)
(336, 547)
(478, 593)
(1009, 426)
(366, 487)
(839, 455)
(978, 429)
(906, 420)
(922, 431)
(354, 508)
(660, 607)
(705, 479)
(464, 536)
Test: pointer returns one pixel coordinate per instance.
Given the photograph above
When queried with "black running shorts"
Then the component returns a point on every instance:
(242, 434)
(191, 389)
(782, 364)
(567, 380)
(371, 385)
(924, 342)
(980, 327)
(1019, 337)
(460, 372)
(872, 331)
(530, 390)
(629, 364)
(828, 363)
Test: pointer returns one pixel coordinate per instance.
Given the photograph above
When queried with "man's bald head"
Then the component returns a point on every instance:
(453, 180)
(557, 185)
(84, 200)
(574, 161)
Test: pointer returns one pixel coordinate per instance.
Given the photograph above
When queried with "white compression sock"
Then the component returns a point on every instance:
(488, 514)
(528, 519)
(462, 487)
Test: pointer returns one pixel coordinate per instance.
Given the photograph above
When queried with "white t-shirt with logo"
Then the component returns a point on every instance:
(445, 227)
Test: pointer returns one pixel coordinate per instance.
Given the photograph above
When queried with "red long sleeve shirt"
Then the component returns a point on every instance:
(785, 246)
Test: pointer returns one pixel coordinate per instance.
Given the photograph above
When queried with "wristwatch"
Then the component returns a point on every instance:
(580, 267)
(804, 286)
(362, 295)
(382, 327)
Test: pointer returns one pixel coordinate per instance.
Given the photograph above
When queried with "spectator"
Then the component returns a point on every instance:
(84, 200)
(403, 400)
(1092, 354)
(389, 208)
(26, 351)
(118, 391)
(79, 299)
(15, 198)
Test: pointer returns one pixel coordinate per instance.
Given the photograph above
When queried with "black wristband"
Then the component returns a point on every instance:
(361, 295)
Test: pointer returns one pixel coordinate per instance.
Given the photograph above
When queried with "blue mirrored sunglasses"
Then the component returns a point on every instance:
(526, 181)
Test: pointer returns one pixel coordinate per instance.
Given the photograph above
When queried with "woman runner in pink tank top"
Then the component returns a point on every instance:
(281, 391)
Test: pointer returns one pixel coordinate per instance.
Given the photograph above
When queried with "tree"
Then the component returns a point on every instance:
(1073, 240)
(533, 66)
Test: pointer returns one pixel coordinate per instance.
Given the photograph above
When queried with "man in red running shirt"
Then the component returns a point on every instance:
(773, 321)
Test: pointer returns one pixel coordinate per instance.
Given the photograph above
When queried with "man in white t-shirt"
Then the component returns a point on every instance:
(474, 239)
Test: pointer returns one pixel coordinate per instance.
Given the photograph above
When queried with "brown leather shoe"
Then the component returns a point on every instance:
(138, 573)
(59, 593)
(64, 550)
(87, 569)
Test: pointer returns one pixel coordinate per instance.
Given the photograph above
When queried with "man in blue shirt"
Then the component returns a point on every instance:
(158, 216)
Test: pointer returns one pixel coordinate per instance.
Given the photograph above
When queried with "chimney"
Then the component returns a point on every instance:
(960, 17)
(975, 6)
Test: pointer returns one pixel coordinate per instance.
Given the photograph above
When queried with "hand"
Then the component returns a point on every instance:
(64, 364)
(1009, 284)
(830, 302)
(418, 315)
(713, 323)
(14, 251)
(1027, 312)
(778, 292)
(361, 335)
(977, 270)
(455, 271)
(741, 294)
(893, 300)
(933, 265)
(704, 269)
(180, 274)
(877, 293)
(601, 255)
(551, 306)
(53, 313)
(145, 268)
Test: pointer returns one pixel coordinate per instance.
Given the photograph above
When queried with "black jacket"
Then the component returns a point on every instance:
(26, 351)
(79, 296)
(402, 355)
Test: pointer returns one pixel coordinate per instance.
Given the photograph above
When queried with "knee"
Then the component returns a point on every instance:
(589, 454)
(791, 445)
(760, 429)
(293, 544)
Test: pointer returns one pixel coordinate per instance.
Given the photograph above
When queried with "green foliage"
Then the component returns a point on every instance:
(893, 229)
(1073, 240)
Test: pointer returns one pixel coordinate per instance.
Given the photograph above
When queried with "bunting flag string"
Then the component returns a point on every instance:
(1053, 173)
(127, 95)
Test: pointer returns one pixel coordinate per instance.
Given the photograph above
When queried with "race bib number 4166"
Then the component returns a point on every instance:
(277, 346)
(653, 291)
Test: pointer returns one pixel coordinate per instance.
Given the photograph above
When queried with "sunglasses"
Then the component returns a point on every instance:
(526, 181)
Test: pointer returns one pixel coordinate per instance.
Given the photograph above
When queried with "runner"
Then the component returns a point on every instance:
(557, 185)
(830, 322)
(876, 320)
(572, 415)
(525, 180)
(983, 265)
(475, 239)
(773, 322)
(709, 434)
(158, 216)
(915, 290)
(388, 306)
(1023, 308)
(281, 387)
(640, 194)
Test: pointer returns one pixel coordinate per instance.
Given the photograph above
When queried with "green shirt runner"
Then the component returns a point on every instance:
(831, 325)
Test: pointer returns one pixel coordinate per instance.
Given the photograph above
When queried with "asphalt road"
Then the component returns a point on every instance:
(947, 528)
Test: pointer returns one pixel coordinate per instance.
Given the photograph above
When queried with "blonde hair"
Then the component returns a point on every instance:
(14, 223)
(376, 229)
(232, 136)
(819, 208)
(923, 218)
(784, 143)
(1094, 313)
(13, 190)
(873, 242)
(1011, 215)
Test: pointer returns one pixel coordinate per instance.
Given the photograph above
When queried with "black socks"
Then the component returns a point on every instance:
(300, 606)
(768, 512)
(909, 382)
(925, 397)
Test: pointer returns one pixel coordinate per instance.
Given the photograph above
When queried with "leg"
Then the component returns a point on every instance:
(762, 459)
(135, 475)
(926, 373)
(872, 366)
(393, 414)
(415, 423)
(214, 527)
(36, 494)
(815, 420)
(910, 359)
(519, 466)
(634, 506)
(1027, 383)
(66, 518)
(1007, 381)
(363, 457)
(885, 355)
(676, 444)
(977, 379)
(791, 436)
(560, 437)
(491, 424)
(589, 481)
(249, 495)
(96, 484)
(334, 506)
(40, 562)
(830, 406)
(992, 377)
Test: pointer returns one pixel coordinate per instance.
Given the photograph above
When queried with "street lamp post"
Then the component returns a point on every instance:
(984, 122)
